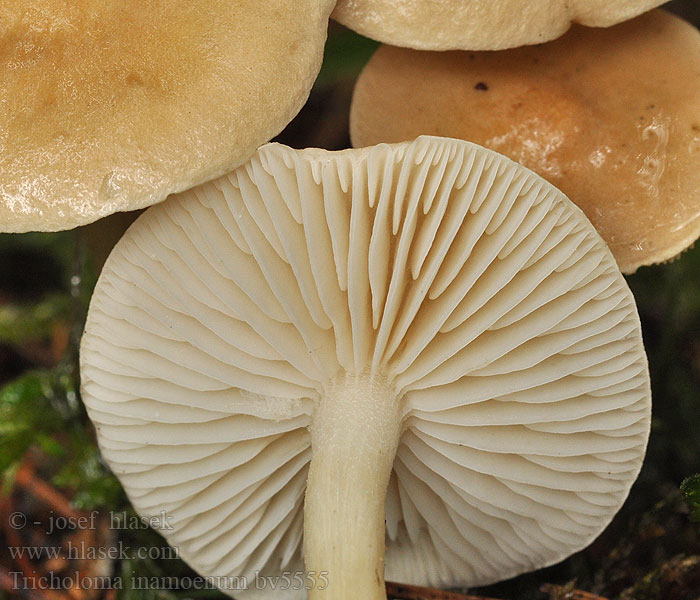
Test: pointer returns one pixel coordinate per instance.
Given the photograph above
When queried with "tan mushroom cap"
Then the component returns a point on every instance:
(479, 24)
(609, 116)
(108, 107)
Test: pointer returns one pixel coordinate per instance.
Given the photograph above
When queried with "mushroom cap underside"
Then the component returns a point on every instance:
(473, 286)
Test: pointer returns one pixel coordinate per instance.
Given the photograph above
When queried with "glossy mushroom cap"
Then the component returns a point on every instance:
(479, 24)
(109, 107)
(421, 356)
(610, 116)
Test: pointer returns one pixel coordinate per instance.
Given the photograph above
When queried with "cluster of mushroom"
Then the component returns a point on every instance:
(416, 360)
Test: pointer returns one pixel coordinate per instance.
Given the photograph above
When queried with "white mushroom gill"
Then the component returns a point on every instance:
(427, 333)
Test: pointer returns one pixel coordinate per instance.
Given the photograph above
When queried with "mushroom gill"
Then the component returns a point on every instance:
(424, 334)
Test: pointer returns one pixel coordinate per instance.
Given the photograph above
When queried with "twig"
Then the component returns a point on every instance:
(26, 478)
(558, 592)
(15, 541)
(7, 583)
(401, 591)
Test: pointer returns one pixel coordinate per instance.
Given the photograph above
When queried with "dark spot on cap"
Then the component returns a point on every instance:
(134, 79)
(695, 127)
(481, 86)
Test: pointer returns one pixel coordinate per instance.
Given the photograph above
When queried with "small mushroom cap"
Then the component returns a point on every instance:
(109, 107)
(479, 24)
(610, 116)
(482, 296)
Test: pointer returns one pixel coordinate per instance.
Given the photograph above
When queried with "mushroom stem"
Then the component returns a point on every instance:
(354, 435)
